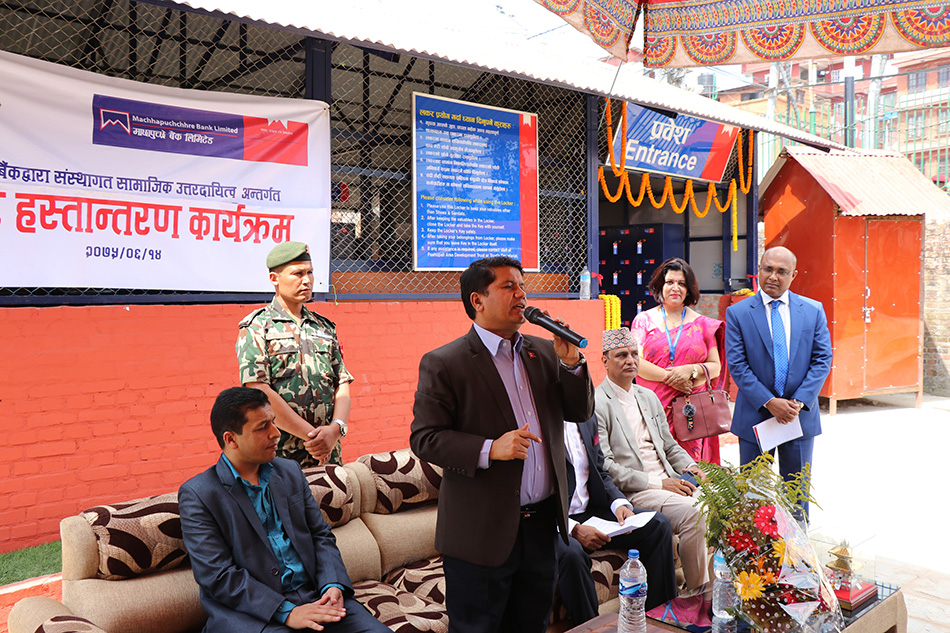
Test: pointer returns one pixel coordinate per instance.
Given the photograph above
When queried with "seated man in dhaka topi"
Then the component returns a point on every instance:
(292, 354)
(644, 460)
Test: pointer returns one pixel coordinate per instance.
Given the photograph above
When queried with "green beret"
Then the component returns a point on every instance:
(288, 252)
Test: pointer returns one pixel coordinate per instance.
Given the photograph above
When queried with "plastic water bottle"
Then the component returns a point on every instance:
(585, 284)
(724, 596)
(633, 595)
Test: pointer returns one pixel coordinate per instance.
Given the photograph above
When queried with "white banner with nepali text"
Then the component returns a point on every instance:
(111, 183)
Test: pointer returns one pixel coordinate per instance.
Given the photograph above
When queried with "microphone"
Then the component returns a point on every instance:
(534, 315)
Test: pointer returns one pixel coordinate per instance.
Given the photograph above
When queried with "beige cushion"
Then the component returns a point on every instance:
(605, 568)
(80, 551)
(68, 624)
(402, 480)
(167, 602)
(137, 537)
(401, 611)
(331, 488)
(29, 614)
(423, 577)
(404, 537)
(364, 487)
(359, 551)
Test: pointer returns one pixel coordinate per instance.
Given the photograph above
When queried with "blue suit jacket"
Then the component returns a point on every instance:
(230, 555)
(749, 357)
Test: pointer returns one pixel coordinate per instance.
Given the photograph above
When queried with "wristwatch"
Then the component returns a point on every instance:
(342, 426)
(581, 361)
(693, 374)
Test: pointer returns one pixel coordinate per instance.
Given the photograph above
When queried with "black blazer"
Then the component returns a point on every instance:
(601, 490)
(231, 558)
(460, 402)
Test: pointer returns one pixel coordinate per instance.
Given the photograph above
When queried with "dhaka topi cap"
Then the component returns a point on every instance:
(288, 252)
(615, 339)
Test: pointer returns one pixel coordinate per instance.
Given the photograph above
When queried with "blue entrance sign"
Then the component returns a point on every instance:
(682, 146)
(475, 184)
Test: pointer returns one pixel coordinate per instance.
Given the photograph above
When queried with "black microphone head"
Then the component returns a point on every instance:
(532, 313)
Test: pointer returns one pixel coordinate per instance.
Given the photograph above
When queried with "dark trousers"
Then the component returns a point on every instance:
(792, 457)
(515, 597)
(576, 585)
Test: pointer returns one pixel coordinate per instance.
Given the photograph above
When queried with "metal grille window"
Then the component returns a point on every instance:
(943, 122)
(371, 230)
(916, 123)
(917, 82)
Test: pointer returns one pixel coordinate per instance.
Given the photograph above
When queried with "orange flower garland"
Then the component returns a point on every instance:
(689, 196)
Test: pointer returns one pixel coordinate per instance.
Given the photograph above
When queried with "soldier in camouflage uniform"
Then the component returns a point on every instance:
(292, 354)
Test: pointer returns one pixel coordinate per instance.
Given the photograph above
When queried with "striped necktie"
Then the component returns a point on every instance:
(779, 349)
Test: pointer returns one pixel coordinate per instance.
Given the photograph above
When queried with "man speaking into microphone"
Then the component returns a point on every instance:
(489, 409)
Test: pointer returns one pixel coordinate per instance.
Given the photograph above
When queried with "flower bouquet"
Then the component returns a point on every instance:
(776, 572)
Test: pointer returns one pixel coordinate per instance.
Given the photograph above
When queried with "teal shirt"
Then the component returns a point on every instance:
(293, 576)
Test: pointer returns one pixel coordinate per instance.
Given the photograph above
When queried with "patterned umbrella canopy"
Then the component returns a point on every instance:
(681, 33)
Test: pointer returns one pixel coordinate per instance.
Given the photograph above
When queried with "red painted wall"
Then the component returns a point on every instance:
(110, 403)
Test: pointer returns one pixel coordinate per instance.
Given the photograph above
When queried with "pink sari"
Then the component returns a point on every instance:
(694, 345)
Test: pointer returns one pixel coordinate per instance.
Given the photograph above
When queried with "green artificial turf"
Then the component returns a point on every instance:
(30, 562)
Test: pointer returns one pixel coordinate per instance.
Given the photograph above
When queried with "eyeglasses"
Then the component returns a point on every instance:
(780, 272)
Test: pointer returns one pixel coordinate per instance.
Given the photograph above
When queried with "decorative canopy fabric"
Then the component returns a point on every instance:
(610, 23)
(701, 33)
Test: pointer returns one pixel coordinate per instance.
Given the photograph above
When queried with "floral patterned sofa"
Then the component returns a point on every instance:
(125, 569)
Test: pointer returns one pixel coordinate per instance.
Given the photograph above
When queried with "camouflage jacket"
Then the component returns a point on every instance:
(303, 363)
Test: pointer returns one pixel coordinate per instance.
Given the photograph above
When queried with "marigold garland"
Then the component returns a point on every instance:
(689, 196)
(611, 311)
(747, 185)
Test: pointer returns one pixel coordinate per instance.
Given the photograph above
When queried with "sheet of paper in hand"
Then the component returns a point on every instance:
(612, 528)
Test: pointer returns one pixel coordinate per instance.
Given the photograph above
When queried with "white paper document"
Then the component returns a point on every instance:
(612, 528)
(771, 432)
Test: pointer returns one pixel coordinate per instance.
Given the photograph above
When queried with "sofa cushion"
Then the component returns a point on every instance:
(166, 602)
(402, 480)
(68, 624)
(138, 537)
(401, 611)
(423, 577)
(605, 568)
(331, 488)
(403, 537)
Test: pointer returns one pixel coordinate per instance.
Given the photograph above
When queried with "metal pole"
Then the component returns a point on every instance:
(593, 194)
(849, 111)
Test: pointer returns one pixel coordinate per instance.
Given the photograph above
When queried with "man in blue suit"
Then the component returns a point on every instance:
(263, 556)
(593, 493)
(778, 351)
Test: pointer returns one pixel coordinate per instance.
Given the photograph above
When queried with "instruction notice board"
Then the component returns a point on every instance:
(475, 184)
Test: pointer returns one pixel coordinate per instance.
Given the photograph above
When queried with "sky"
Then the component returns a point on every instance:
(530, 20)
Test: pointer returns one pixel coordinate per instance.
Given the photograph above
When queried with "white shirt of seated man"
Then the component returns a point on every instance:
(591, 538)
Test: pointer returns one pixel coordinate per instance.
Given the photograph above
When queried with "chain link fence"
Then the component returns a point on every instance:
(371, 146)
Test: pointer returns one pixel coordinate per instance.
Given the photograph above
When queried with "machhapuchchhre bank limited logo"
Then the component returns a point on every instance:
(156, 127)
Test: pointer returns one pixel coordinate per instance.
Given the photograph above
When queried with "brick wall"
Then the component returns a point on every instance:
(111, 403)
(937, 308)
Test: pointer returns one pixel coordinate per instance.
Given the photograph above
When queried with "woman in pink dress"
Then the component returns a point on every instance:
(676, 342)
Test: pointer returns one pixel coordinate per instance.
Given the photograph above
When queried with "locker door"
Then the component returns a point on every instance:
(892, 311)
